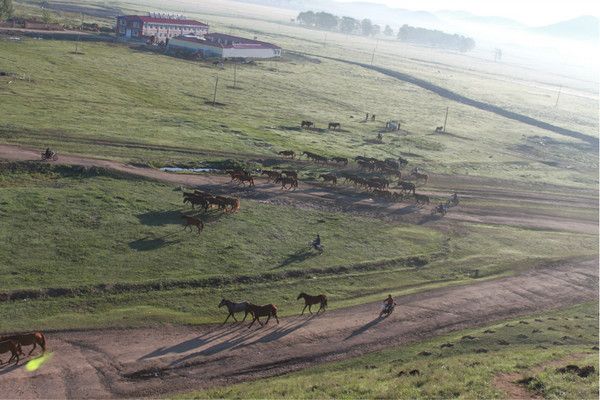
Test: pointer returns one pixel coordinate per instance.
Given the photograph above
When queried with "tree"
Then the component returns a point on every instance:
(349, 25)
(366, 27)
(376, 30)
(388, 31)
(306, 18)
(6, 9)
(326, 21)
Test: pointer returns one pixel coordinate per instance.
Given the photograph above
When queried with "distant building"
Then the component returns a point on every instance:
(224, 46)
(158, 27)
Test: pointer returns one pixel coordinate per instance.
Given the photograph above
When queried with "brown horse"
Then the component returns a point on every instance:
(329, 178)
(421, 199)
(269, 310)
(287, 181)
(28, 339)
(246, 178)
(233, 204)
(13, 347)
(287, 153)
(271, 175)
(340, 160)
(420, 176)
(307, 124)
(309, 301)
(334, 125)
(290, 174)
(191, 221)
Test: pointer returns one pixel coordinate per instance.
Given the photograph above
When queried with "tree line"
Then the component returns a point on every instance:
(348, 25)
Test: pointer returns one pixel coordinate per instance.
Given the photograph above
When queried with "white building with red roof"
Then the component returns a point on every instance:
(158, 27)
(223, 46)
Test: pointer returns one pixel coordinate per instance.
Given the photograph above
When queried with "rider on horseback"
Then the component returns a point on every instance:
(48, 153)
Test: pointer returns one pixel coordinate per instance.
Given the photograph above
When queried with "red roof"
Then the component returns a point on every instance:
(174, 21)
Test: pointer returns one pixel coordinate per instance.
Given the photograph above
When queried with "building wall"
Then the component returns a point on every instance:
(207, 51)
(251, 53)
(164, 31)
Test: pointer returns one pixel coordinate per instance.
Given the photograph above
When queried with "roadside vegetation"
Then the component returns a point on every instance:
(508, 359)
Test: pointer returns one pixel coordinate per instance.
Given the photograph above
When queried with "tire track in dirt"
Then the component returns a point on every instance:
(151, 362)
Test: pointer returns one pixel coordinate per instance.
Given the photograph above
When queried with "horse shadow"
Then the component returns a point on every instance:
(429, 218)
(188, 345)
(290, 128)
(7, 369)
(147, 243)
(364, 328)
(297, 257)
(282, 331)
(160, 218)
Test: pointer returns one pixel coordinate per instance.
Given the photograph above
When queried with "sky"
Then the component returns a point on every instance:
(529, 12)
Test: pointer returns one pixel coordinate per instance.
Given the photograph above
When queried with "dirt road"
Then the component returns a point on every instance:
(159, 360)
(520, 201)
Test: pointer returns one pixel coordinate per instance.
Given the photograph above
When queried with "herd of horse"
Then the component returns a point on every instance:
(269, 310)
(206, 201)
(14, 344)
(310, 124)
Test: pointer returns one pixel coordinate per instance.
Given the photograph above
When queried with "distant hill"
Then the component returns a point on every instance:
(468, 17)
(581, 28)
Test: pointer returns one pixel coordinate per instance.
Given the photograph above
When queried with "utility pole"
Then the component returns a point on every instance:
(215, 94)
(374, 49)
(234, 74)
(446, 119)
(558, 97)
(78, 35)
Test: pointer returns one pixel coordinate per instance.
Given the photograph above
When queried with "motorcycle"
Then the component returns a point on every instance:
(49, 157)
(387, 310)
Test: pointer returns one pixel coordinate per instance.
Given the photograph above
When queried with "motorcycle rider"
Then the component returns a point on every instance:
(388, 304)
(316, 244)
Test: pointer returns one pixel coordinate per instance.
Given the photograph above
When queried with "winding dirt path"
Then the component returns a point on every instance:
(155, 361)
(521, 199)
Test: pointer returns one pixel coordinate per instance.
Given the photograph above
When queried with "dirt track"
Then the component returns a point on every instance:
(154, 361)
(344, 198)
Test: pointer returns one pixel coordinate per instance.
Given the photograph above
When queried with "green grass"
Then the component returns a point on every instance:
(116, 93)
(116, 245)
(532, 346)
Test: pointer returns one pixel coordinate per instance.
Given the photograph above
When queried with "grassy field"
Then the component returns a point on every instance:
(116, 246)
(117, 94)
(476, 363)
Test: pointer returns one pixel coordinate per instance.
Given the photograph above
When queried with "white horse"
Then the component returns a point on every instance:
(235, 308)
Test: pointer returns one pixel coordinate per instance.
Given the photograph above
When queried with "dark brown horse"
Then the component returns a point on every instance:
(13, 347)
(309, 301)
(329, 178)
(28, 339)
(334, 125)
(191, 221)
(421, 198)
(285, 181)
(287, 153)
(271, 175)
(268, 310)
(307, 124)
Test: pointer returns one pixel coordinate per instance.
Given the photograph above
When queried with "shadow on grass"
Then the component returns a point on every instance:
(147, 244)
(160, 218)
(298, 256)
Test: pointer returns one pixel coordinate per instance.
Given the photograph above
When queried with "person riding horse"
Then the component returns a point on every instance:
(48, 153)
